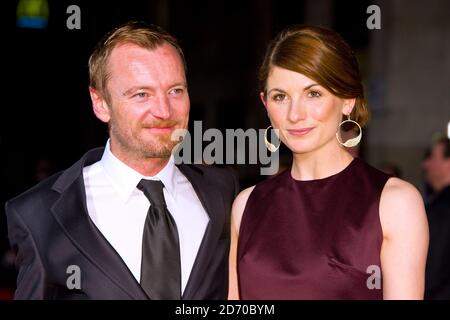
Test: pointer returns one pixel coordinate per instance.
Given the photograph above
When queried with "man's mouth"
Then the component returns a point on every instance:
(158, 129)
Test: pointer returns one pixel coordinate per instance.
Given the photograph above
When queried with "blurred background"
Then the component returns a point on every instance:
(47, 121)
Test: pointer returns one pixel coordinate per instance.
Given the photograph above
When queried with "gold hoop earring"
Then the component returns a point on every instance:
(271, 147)
(353, 141)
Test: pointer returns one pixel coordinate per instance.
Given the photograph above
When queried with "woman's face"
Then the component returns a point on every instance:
(306, 114)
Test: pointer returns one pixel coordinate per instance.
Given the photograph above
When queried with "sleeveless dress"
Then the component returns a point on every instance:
(316, 239)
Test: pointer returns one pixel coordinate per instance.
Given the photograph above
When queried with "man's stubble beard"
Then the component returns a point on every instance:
(160, 147)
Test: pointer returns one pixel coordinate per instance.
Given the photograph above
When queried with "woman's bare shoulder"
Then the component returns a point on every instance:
(239, 206)
(401, 206)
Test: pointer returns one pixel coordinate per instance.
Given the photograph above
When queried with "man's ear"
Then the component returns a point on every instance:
(348, 106)
(99, 105)
(262, 96)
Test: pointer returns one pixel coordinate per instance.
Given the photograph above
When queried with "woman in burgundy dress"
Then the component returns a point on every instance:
(331, 227)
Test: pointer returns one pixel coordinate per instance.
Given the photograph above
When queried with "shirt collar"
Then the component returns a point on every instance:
(125, 179)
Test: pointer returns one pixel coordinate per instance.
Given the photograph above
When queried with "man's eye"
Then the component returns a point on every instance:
(176, 91)
(314, 94)
(141, 95)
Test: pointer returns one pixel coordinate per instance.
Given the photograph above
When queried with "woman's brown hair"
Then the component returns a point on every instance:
(322, 55)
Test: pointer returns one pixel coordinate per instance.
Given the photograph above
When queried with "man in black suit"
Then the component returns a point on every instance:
(437, 173)
(125, 222)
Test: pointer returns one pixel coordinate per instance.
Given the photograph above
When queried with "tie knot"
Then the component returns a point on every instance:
(153, 190)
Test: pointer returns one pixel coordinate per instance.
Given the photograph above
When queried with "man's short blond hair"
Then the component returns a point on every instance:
(141, 34)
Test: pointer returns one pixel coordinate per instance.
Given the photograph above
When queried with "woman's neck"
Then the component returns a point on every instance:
(321, 163)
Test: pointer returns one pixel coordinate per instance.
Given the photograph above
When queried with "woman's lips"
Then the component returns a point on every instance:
(300, 132)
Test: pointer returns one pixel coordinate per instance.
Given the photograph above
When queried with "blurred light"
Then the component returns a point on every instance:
(448, 130)
(32, 14)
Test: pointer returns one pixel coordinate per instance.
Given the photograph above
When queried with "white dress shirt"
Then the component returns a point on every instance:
(119, 209)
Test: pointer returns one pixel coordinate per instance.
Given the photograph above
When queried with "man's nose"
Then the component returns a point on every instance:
(161, 108)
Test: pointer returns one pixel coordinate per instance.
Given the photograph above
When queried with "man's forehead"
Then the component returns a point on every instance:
(139, 61)
(129, 57)
(128, 48)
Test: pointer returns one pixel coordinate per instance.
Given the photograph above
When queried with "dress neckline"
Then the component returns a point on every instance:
(325, 179)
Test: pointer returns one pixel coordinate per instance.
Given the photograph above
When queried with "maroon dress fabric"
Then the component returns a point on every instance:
(317, 239)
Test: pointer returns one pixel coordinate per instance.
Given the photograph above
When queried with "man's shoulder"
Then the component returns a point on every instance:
(212, 169)
(224, 178)
(45, 192)
(214, 172)
(33, 199)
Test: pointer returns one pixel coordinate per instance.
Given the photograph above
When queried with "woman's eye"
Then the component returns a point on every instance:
(279, 97)
(314, 94)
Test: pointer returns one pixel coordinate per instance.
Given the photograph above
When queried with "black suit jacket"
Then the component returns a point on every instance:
(437, 275)
(49, 229)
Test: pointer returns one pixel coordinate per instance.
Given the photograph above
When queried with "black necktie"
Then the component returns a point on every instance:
(160, 267)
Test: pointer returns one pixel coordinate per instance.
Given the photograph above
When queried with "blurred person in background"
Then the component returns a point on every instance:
(391, 169)
(436, 166)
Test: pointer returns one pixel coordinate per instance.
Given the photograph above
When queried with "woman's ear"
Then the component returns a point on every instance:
(99, 105)
(348, 106)
(262, 96)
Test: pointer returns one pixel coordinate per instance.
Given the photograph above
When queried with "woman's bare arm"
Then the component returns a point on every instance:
(405, 241)
(236, 216)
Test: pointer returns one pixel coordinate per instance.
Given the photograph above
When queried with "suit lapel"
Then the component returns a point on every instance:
(70, 210)
(212, 201)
